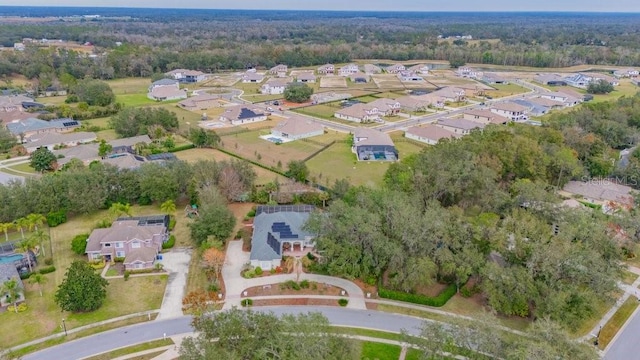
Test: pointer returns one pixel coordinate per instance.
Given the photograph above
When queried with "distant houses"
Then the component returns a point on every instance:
(578, 80)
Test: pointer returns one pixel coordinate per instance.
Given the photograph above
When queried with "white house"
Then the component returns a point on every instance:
(395, 68)
(459, 126)
(326, 69)
(242, 114)
(348, 70)
(511, 110)
(361, 113)
(419, 69)
(295, 128)
(274, 86)
(429, 134)
(409, 76)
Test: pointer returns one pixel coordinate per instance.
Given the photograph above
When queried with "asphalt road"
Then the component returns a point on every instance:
(626, 343)
(156, 329)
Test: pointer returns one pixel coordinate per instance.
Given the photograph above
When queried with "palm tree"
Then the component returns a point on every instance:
(38, 237)
(37, 279)
(24, 246)
(5, 227)
(118, 209)
(21, 224)
(296, 263)
(12, 290)
(168, 207)
(35, 220)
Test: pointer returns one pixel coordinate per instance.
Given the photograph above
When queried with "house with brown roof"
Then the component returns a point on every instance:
(450, 94)
(459, 126)
(373, 145)
(386, 107)
(361, 113)
(372, 69)
(484, 116)
(606, 193)
(279, 70)
(395, 68)
(561, 97)
(136, 240)
(429, 134)
(326, 69)
(242, 114)
(55, 140)
(550, 79)
(200, 102)
(510, 110)
(547, 103)
(412, 104)
(306, 77)
(275, 86)
(297, 127)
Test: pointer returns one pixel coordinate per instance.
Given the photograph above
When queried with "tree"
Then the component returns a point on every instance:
(296, 264)
(297, 170)
(298, 92)
(215, 217)
(168, 207)
(5, 227)
(118, 209)
(79, 244)
(7, 140)
(11, 289)
(21, 224)
(203, 138)
(94, 92)
(137, 121)
(600, 86)
(37, 279)
(39, 237)
(82, 290)
(197, 302)
(456, 62)
(104, 148)
(213, 260)
(35, 220)
(42, 160)
(25, 247)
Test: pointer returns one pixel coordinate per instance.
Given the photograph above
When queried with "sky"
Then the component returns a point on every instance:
(374, 5)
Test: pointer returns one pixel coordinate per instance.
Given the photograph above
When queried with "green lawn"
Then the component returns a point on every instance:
(506, 90)
(23, 167)
(101, 122)
(256, 98)
(130, 85)
(626, 88)
(324, 111)
(628, 277)
(379, 351)
(107, 135)
(134, 99)
(611, 328)
(413, 354)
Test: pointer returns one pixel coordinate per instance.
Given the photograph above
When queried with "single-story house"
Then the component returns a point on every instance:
(372, 69)
(326, 69)
(277, 230)
(468, 72)
(275, 86)
(626, 73)
(459, 126)
(560, 99)
(429, 134)
(361, 113)
(162, 83)
(53, 91)
(26, 128)
(386, 107)
(550, 79)
(10, 103)
(10, 272)
(359, 77)
(252, 77)
(373, 145)
(295, 128)
(167, 93)
(511, 110)
(493, 78)
(610, 195)
(136, 240)
(127, 144)
(395, 68)
(484, 116)
(412, 104)
(422, 69)
(306, 77)
(88, 153)
(188, 76)
(575, 94)
(54, 140)
(200, 102)
(348, 69)
(535, 109)
(279, 70)
(242, 114)
(124, 160)
(408, 76)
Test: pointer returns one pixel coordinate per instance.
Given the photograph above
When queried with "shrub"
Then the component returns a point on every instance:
(295, 286)
(97, 265)
(127, 273)
(258, 270)
(465, 292)
(246, 302)
(25, 275)
(343, 302)
(79, 243)
(251, 213)
(314, 286)
(272, 271)
(48, 261)
(370, 281)
(103, 224)
(304, 284)
(436, 301)
(55, 218)
(21, 308)
(118, 259)
(172, 223)
(47, 270)
(181, 147)
(249, 274)
(169, 243)
(213, 287)
(310, 256)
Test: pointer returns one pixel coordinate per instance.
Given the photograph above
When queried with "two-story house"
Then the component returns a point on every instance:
(395, 68)
(361, 113)
(326, 69)
(511, 110)
(386, 107)
(348, 70)
(275, 86)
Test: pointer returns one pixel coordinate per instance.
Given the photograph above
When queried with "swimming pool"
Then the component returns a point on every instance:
(10, 258)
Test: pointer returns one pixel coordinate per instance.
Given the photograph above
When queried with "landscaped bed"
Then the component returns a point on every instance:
(295, 302)
(308, 288)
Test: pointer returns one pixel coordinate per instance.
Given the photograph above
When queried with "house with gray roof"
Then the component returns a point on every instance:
(306, 77)
(164, 82)
(373, 145)
(242, 114)
(54, 140)
(607, 193)
(252, 77)
(276, 231)
(459, 126)
(297, 127)
(23, 129)
(429, 134)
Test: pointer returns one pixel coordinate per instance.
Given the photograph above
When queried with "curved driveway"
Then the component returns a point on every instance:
(148, 331)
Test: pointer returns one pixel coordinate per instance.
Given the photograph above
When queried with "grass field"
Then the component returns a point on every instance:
(23, 167)
(379, 351)
(324, 111)
(587, 325)
(611, 328)
(52, 100)
(136, 99)
(506, 90)
(626, 88)
(130, 85)
(107, 135)
(628, 277)
(101, 122)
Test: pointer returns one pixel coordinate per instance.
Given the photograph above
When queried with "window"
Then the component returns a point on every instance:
(107, 245)
(120, 254)
(135, 245)
(119, 245)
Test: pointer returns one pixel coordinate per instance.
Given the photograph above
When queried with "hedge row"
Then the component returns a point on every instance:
(436, 301)
(48, 269)
(181, 147)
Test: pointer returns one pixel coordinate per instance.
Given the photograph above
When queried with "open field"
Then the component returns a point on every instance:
(130, 85)
(387, 81)
(101, 122)
(333, 82)
(23, 168)
(626, 88)
(52, 100)
(506, 90)
(611, 328)
(324, 111)
(380, 351)
(107, 135)
(136, 99)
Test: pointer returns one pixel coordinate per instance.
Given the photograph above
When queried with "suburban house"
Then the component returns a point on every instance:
(611, 196)
(252, 77)
(295, 128)
(576, 94)
(484, 116)
(626, 73)
(432, 99)
(348, 70)
(450, 94)
(429, 134)
(137, 240)
(510, 110)
(361, 113)
(534, 108)
(561, 97)
(467, 72)
(373, 145)
(166, 89)
(53, 91)
(242, 114)
(459, 126)
(26, 128)
(386, 107)
(578, 80)
(8, 272)
(306, 77)
(275, 86)
(372, 69)
(412, 104)
(493, 78)
(326, 69)
(9, 103)
(359, 77)
(278, 231)
(56, 140)
(408, 76)
(550, 79)
(422, 69)
(395, 68)
(128, 144)
(279, 70)
(88, 153)
(187, 76)
(548, 103)
(200, 102)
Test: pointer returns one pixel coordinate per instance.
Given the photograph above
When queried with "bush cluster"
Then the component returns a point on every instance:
(55, 218)
(343, 302)
(290, 284)
(172, 223)
(21, 308)
(436, 301)
(47, 270)
(169, 243)
(118, 259)
(48, 261)
(258, 270)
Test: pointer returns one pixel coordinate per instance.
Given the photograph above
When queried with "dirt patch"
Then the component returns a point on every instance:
(281, 289)
(371, 306)
(333, 82)
(278, 302)
(372, 289)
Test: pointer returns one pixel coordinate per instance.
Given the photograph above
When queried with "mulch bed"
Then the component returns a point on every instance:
(276, 302)
(277, 289)
(371, 306)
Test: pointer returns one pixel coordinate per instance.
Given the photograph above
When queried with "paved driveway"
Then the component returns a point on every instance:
(176, 263)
